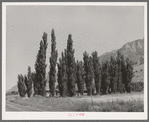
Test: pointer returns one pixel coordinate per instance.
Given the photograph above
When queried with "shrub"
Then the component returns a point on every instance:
(137, 86)
(12, 93)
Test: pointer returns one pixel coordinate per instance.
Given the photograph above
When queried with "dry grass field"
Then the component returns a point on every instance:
(132, 102)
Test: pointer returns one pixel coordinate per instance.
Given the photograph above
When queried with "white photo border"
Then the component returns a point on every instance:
(63, 115)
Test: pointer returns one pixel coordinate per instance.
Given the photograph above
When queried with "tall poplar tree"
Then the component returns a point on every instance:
(80, 77)
(34, 83)
(59, 77)
(53, 62)
(21, 86)
(89, 74)
(129, 74)
(29, 82)
(105, 77)
(120, 85)
(97, 72)
(40, 67)
(123, 69)
(71, 66)
(62, 76)
(113, 75)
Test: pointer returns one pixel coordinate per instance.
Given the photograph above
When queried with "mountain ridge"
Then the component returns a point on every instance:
(134, 50)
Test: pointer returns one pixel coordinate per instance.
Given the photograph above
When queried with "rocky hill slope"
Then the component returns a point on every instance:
(134, 50)
(14, 88)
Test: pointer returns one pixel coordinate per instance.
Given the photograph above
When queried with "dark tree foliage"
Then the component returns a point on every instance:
(113, 75)
(28, 82)
(137, 86)
(53, 62)
(59, 77)
(71, 67)
(65, 75)
(75, 74)
(129, 74)
(115, 84)
(80, 77)
(97, 72)
(21, 86)
(40, 67)
(66, 69)
(89, 73)
(86, 60)
(105, 77)
(110, 77)
(62, 76)
(90, 76)
(34, 83)
(121, 71)
(118, 58)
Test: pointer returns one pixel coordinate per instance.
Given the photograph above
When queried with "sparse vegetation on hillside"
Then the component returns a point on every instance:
(137, 86)
(134, 50)
(12, 93)
(138, 73)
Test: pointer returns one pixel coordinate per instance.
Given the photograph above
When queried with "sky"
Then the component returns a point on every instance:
(93, 28)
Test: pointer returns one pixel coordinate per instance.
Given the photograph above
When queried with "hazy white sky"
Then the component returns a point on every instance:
(92, 27)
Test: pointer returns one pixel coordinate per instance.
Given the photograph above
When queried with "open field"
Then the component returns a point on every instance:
(111, 106)
(114, 102)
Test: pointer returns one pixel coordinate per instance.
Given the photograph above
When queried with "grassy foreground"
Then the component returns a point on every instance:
(132, 102)
(111, 106)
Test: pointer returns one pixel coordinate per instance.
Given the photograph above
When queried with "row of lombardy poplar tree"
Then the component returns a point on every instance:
(89, 75)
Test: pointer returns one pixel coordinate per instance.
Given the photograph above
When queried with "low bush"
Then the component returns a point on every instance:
(12, 93)
(137, 86)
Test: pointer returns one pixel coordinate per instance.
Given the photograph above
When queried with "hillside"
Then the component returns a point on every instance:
(14, 88)
(134, 50)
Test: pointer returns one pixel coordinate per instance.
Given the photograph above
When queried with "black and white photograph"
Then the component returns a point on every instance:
(74, 60)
